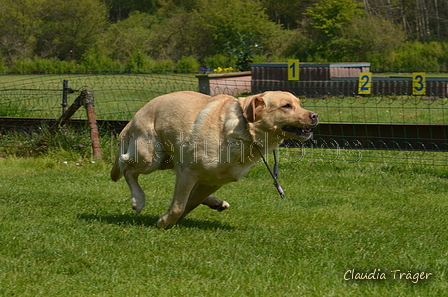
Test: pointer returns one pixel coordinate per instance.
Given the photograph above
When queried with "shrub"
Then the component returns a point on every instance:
(139, 62)
(98, 61)
(188, 65)
(42, 66)
(165, 65)
(22, 66)
(65, 67)
(218, 60)
(243, 49)
(3, 66)
(416, 55)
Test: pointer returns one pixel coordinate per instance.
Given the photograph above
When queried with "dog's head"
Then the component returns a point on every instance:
(279, 113)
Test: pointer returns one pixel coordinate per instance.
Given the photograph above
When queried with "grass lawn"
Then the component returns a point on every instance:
(395, 110)
(67, 230)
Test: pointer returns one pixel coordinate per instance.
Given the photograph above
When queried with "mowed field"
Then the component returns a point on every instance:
(348, 226)
(67, 230)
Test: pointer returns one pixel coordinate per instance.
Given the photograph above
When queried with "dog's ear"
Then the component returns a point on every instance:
(254, 109)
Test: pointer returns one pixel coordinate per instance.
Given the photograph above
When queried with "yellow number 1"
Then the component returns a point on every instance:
(293, 69)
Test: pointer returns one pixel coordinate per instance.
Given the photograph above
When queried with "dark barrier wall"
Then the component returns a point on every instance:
(320, 80)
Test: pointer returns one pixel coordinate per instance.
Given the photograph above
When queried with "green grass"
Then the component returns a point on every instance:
(67, 230)
(385, 109)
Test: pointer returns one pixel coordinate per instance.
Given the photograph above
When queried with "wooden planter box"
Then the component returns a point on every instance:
(233, 83)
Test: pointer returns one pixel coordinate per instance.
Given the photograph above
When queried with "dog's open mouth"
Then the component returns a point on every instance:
(301, 133)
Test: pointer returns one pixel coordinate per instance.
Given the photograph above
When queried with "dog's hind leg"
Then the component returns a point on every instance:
(137, 195)
(131, 173)
(216, 203)
(138, 156)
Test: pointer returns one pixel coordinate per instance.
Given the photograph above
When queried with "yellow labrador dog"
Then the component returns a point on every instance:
(207, 141)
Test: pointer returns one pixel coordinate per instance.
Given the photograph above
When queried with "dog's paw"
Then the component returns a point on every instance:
(165, 223)
(224, 205)
(137, 205)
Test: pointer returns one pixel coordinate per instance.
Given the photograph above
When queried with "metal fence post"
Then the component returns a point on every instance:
(65, 91)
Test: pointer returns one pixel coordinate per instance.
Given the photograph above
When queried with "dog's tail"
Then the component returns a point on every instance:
(115, 172)
(117, 169)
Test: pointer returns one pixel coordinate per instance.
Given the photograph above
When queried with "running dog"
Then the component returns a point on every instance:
(207, 141)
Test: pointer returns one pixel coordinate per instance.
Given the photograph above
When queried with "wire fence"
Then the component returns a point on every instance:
(119, 96)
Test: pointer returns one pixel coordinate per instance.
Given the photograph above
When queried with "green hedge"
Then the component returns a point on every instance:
(414, 56)
(410, 56)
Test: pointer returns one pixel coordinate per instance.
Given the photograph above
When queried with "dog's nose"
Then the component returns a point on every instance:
(313, 116)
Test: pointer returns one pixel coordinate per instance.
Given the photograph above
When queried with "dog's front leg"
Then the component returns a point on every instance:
(199, 193)
(185, 182)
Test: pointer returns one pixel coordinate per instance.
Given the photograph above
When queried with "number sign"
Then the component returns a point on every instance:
(293, 69)
(365, 83)
(418, 83)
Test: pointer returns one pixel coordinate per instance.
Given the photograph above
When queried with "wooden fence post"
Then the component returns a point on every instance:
(88, 103)
(84, 99)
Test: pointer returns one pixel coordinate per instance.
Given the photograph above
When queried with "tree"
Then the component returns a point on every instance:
(179, 35)
(20, 25)
(127, 37)
(289, 13)
(222, 20)
(421, 19)
(71, 27)
(368, 37)
(121, 9)
(49, 28)
(329, 16)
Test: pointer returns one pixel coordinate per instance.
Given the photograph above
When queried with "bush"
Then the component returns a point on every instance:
(139, 62)
(420, 56)
(39, 65)
(22, 66)
(217, 60)
(243, 49)
(98, 61)
(165, 65)
(66, 67)
(188, 65)
(3, 68)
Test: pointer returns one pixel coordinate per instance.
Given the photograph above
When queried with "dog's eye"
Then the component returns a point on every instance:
(287, 106)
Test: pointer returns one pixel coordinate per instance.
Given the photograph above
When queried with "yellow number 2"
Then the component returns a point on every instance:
(365, 83)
